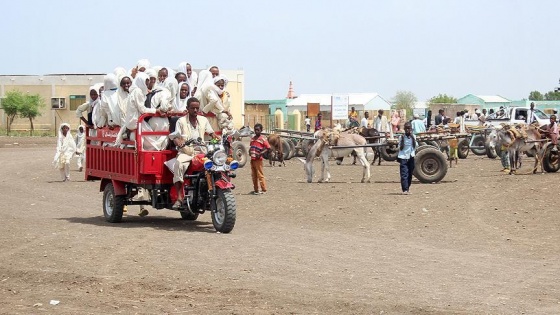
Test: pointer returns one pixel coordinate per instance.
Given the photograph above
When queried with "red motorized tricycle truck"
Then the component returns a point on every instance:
(135, 164)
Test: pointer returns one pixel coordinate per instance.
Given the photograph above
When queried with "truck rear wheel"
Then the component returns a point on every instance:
(113, 205)
(223, 218)
(430, 165)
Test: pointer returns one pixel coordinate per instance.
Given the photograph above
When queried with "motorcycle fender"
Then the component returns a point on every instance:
(222, 184)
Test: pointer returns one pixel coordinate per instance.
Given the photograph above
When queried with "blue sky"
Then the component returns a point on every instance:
(504, 47)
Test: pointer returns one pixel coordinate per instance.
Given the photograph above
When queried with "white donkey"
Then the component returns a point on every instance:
(321, 148)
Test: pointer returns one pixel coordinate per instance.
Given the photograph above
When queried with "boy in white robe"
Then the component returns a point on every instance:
(136, 105)
(192, 77)
(218, 105)
(109, 109)
(65, 149)
(183, 95)
(125, 82)
(81, 148)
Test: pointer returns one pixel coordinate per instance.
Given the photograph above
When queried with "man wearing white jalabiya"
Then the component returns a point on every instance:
(109, 113)
(190, 126)
(218, 104)
(65, 150)
(381, 123)
(192, 77)
(81, 147)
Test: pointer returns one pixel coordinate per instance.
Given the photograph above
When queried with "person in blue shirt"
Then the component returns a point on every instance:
(407, 148)
(418, 125)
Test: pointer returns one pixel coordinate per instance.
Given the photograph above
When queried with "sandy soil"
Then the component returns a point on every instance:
(480, 242)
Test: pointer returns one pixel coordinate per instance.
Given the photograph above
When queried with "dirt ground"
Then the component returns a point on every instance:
(480, 242)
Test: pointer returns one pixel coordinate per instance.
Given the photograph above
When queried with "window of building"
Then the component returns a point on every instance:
(76, 100)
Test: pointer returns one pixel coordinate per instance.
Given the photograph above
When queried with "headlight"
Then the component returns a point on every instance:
(234, 165)
(219, 157)
(208, 164)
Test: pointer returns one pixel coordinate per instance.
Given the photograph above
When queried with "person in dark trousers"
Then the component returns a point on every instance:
(439, 117)
(407, 148)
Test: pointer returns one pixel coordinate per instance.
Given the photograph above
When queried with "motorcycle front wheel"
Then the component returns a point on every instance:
(223, 218)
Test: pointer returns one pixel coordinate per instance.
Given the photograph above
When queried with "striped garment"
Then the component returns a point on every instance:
(258, 146)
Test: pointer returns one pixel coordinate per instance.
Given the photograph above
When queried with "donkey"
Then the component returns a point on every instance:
(519, 139)
(321, 148)
(372, 136)
(276, 150)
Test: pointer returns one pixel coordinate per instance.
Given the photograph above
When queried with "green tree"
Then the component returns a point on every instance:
(405, 100)
(442, 99)
(11, 104)
(31, 108)
(536, 96)
(552, 96)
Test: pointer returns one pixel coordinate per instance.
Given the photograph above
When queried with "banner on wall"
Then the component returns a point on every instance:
(339, 106)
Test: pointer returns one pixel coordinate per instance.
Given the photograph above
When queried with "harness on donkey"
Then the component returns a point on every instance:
(329, 138)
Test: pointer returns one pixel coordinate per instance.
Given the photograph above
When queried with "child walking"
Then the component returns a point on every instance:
(65, 150)
(81, 148)
(407, 148)
(259, 145)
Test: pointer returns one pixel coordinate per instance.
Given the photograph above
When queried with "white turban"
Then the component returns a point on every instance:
(143, 63)
(152, 73)
(140, 82)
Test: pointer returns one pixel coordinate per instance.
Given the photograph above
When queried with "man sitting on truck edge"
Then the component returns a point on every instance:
(190, 126)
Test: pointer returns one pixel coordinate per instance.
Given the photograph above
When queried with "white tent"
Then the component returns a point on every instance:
(360, 101)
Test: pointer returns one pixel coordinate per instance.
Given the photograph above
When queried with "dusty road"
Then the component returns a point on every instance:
(480, 242)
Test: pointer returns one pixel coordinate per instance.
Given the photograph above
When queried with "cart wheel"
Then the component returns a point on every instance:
(286, 149)
(463, 149)
(422, 147)
(491, 152)
(113, 206)
(240, 153)
(430, 165)
(478, 141)
(550, 160)
(292, 149)
(389, 152)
